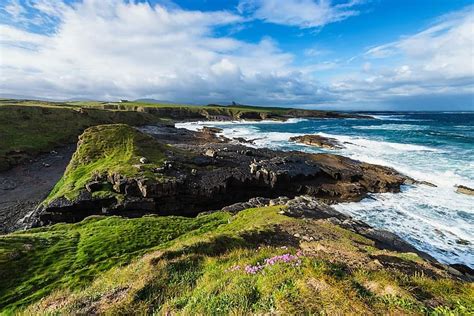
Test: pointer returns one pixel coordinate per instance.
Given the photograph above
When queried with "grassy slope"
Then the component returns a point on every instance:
(188, 265)
(30, 127)
(109, 149)
(26, 130)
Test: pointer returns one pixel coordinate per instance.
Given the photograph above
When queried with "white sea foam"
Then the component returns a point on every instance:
(434, 219)
(377, 145)
(397, 117)
(199, 124)
(393, 127)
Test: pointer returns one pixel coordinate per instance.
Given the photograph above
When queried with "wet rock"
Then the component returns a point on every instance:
(211, 130)
(463, 269)
(318, 141)
(463, 242)
(464, 190)
(6, 184)
(202, 161)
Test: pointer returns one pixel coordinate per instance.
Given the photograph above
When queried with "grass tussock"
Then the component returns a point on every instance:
(207, 265)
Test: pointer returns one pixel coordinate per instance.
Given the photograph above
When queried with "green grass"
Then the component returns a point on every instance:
(161, 265)
(26, 130)
(107, 150)
(34, 263)
(28, 127)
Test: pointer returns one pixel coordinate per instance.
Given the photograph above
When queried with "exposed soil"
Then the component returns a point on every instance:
(23, 187)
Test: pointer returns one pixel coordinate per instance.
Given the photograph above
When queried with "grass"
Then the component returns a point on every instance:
(29, 127)
(26, 130)
(163, 265)
(107, 150)
(34, 263)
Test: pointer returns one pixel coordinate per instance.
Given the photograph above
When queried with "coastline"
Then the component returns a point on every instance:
(201, 172)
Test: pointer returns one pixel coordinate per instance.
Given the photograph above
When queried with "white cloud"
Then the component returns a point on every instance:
(15, 9)
(115, 49)
(300, 13)
(436, 61)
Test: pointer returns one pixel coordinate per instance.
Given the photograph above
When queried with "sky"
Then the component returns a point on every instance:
(323, 54)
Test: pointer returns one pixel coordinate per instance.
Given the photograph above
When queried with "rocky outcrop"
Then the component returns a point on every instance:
(464, 190)
(311, 208)
(199, 177)
(318, 141)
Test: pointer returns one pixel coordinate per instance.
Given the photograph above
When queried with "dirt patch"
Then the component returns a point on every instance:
(23, 187)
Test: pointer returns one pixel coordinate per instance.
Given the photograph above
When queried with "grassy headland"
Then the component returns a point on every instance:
(107, 150)
(219, 263)
(28, 127)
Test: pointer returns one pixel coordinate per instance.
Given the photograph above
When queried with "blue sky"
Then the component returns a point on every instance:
(346, 54)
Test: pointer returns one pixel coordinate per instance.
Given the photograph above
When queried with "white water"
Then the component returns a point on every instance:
(436, 220)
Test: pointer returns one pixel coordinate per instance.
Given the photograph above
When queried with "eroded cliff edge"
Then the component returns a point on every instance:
(120, 170)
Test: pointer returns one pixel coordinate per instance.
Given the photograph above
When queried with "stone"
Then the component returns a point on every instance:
(318, 141)
(210, 153)
(143, 160)
(464, 190)
(211, 130)
(7, 184)
(94, 186)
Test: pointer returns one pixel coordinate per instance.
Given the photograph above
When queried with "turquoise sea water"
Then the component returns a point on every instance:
(434, 146)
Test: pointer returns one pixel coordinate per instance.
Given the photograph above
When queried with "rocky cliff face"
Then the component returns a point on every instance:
(199, 177)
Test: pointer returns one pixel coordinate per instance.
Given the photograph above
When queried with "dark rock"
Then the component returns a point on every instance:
(211, 130)
(202, 161)
(463, 242)
(309, 207)
(318, 141)
(94, 186)
(6, 184)
(464, 269)
(194, 182)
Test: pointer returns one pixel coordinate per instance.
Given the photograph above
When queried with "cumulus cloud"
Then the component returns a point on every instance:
(119, 49)
(113, 49)
(300, 13)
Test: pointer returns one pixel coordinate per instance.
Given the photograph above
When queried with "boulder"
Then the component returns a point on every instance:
(318, 141)
(210, 153)
(464, 190)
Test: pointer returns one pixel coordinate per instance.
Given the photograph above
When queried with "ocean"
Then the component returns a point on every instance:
(437, 147)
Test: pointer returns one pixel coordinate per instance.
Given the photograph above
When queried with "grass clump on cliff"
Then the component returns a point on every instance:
(107, 150)
(248, 263)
